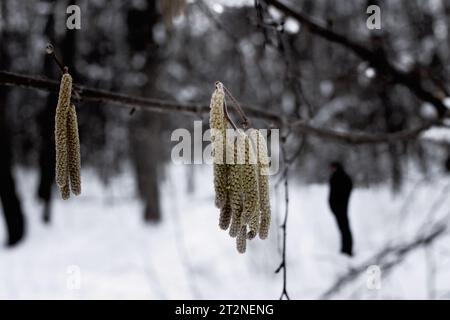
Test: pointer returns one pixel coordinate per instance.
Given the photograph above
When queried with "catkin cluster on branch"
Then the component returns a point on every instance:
(240, 176)
(67, 142)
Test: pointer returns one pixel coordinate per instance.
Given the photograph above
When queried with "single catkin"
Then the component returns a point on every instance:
(73, 149)
(235, 199)
(65, 189)
(250, 187)
(241, 239)
(65, 92)
(235, 184)
(225, 217)
(254, 225)
(263, 181)
(220, 184)
(218, 126)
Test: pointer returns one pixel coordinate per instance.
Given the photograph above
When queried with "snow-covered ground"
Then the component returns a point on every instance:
(98, 248)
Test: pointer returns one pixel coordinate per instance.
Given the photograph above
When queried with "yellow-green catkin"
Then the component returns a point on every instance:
(65, 92)
(263, 181)
(225, 217)
(250, 185)
(235, 199)
(65, 189)
(218, 138)
(73, 149)
(67, 142)
(220, 184)
(242, 185)
(235, 184)
(241, 240)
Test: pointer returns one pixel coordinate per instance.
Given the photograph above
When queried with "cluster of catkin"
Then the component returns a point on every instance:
(67, 142)
(240, 176)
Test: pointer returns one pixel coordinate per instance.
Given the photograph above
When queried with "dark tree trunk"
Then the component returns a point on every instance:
(69, 48)
(47, 156)
(12, 210)
(447, 161)
(145, 128)
(47, 116)
(394, 120)
(146, 163)
(46, 128)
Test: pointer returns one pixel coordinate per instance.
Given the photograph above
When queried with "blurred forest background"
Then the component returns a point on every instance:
(270, 60)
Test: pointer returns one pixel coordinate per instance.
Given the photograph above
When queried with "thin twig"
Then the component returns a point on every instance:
(284, 227)
(359, 138)
(51, 52)
(388, 257)
(283, 264)
(227, 115)
(220, 86)
(238, 108)
(287, 164)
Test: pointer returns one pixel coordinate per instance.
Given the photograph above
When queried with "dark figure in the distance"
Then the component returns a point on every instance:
(340, 189)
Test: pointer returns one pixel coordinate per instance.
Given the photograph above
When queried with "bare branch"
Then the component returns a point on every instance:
(165, 106)
(51, 52)
(387, 258)
(98, 95)
(283, 264)
(377, 59)
(360, 138)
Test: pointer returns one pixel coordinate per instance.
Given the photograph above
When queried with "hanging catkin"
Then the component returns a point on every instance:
(236, 186)
(65, 189)
(251, 188)
(225, 217)
(73, 150)
(242, 185)
(263, 182)
(218, 137)
(65, 92)
(241, 240)
(67, 143)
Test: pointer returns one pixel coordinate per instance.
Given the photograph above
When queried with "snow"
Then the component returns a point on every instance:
(98, 248)
(437, 134)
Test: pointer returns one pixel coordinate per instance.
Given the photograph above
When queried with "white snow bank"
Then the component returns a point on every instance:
(187, 256)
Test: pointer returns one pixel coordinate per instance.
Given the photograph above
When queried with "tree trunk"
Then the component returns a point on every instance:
(46, 128)
(145, 157)
(145, 128)
(12, 209)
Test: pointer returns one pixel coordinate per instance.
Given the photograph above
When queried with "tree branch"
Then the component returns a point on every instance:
(283, 264)
(98, 95)
(387, 258)
(377, 59)
(83, 93)
(360, 138)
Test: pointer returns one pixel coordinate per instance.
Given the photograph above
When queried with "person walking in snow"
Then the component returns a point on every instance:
(340, 190)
